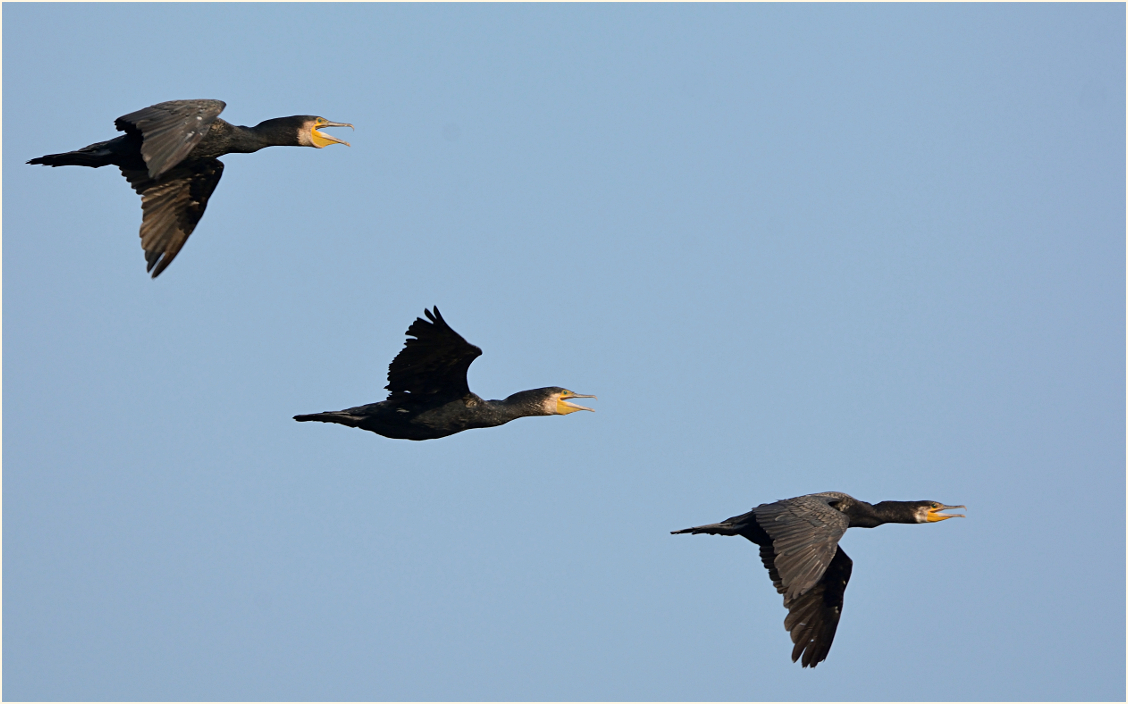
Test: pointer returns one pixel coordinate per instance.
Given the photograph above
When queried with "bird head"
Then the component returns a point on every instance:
(310, 135)
(929, 512)
(549, 401)
(557, 400)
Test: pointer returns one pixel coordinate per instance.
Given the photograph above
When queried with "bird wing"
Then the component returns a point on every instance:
(813, 610)
(804, 533)
(434, 363)
(170, 130)
(812, 618)
(171, 206)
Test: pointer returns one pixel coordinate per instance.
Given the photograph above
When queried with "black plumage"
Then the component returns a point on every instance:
(168, 155)
(429, 397)
(798, 541)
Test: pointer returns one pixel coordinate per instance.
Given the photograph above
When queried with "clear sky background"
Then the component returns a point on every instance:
(874, 249)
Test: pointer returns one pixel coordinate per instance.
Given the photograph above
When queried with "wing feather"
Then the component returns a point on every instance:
(432, 364)
(812, 618)
(170, 130)
(804, 532)
(798, 541)
(171, 207)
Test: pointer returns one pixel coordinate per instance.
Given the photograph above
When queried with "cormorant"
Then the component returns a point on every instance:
(430, 397)
(168, 154)
(798, 541)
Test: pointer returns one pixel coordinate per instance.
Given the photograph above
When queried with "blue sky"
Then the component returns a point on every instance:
(793, 248)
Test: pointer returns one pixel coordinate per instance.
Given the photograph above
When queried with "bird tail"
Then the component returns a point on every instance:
(331, 417)
(712, 529)
(737, 525)
(94, 156)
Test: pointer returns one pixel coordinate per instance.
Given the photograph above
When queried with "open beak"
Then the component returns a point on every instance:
(574, 406)
(934, 514)
(323, 140)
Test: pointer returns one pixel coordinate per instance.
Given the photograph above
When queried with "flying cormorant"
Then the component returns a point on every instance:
(798, 541)
(168, 154)
(430, 397)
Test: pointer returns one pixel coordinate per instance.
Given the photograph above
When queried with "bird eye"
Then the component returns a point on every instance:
(935, 505)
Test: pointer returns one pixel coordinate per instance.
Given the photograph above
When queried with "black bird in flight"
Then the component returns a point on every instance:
(798, 541)
(168, 154)
(430, 397)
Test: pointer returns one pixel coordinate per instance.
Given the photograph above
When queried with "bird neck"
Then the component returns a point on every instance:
(864, 515)
(278, 132)
(519, 405)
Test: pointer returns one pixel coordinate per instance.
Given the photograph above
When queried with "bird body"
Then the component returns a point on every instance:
(169, 156)
(403, 420)
(798, 541)
(430, 397)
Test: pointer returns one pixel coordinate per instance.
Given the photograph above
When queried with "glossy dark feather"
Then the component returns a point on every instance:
(170, 130)
(812, 618)
(805, 532)
(172, 206)
(433, 362)
(815, 603)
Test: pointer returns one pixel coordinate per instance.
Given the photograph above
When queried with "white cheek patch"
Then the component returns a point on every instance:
(550, 408)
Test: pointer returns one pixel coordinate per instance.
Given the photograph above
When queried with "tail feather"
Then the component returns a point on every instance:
(331, 417)
(712, 529)
(95, 155)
